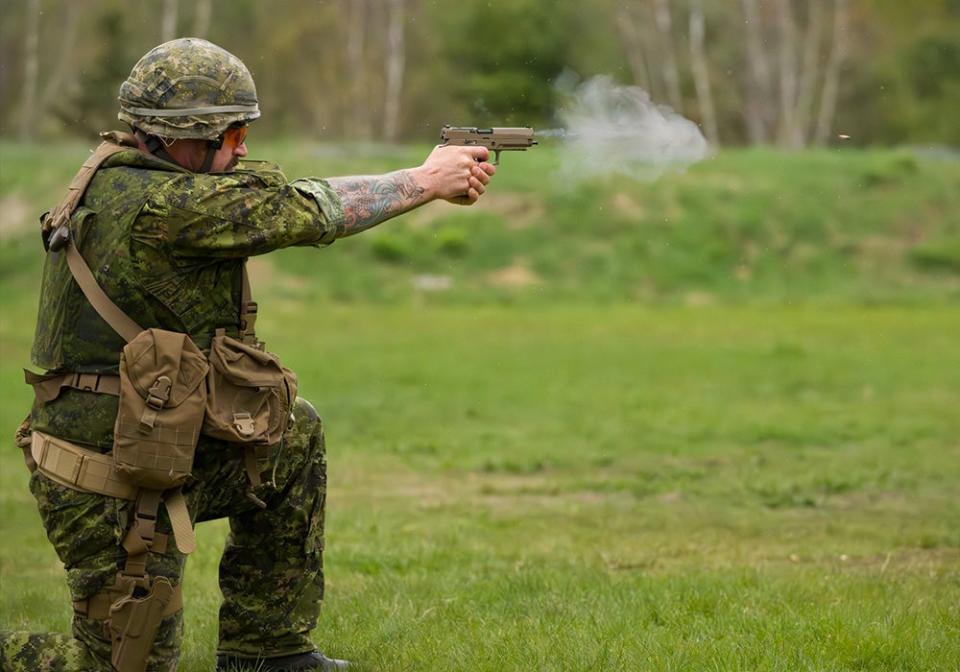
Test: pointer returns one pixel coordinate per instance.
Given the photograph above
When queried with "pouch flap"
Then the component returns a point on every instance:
(244, 365)
(155, 353)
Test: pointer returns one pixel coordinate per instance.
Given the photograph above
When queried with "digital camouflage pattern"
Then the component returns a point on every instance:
(212, 87)
(271, 573)
(168, 246)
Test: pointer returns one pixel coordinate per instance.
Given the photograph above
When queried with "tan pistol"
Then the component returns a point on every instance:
(495, 139)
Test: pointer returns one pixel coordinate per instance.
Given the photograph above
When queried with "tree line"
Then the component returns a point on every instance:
(786, 72)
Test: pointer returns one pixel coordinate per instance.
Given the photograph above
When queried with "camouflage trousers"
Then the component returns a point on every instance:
(271, 571)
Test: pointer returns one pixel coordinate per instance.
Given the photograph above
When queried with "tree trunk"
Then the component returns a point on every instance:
(809, 74)
(201, 19)
(395, 66)
(701, 72)
(671, 75)
(787, 30)
(633, 46)
(831, 81)
(168, 22)
(66, 59)
(359, 123)
(758, 79)
(31, 67)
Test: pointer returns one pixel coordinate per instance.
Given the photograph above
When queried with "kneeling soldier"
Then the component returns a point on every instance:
(159, 407)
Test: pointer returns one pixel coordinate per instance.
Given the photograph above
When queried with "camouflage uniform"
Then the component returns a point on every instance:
(168, 246)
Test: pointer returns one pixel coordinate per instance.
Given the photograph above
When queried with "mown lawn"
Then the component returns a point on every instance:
(616, 488)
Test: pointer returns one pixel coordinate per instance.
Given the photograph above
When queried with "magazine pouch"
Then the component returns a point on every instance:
(250, 394)
(162, 402)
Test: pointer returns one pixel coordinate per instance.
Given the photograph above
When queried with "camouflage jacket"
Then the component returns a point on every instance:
(167, 245)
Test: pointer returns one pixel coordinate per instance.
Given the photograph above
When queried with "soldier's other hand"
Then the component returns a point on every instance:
(458, 174)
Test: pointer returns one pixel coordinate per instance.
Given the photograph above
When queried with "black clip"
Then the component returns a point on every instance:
(59, 238)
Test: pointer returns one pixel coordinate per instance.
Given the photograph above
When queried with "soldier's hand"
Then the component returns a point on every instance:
(458, 174)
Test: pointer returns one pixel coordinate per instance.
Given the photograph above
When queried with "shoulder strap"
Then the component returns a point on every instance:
(113, 143)
(118, 320)
(58, 221)
(248, 311)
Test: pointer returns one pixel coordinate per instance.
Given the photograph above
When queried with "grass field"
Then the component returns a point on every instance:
(718, 474)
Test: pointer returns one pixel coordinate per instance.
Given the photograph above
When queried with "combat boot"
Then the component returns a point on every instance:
(301, 662)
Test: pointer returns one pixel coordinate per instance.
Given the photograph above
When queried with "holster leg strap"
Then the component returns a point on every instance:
(97, 607)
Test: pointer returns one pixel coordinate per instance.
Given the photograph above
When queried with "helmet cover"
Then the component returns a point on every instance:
(188, 88)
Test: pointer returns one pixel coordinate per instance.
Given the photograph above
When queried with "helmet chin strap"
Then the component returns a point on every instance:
(208, 159)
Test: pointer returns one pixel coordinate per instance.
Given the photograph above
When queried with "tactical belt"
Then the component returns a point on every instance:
(78, 468)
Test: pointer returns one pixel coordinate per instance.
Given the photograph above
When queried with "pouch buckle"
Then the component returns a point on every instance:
(244, 424)
(159, 392)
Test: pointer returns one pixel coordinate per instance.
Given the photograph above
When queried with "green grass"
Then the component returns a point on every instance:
(605, 488)
(641, 461)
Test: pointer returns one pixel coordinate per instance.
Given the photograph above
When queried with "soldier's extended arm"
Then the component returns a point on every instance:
(455, 174)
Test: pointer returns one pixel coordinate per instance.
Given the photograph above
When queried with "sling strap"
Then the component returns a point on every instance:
(118, 320)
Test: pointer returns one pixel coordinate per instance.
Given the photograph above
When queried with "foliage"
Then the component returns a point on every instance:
(482, 62)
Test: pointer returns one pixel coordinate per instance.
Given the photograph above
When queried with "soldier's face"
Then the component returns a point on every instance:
(191, 153)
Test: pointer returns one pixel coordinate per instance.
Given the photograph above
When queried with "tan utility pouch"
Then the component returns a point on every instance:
(250, 394)
(162, 402)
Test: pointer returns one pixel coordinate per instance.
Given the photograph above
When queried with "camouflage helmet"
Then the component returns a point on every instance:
(188, 88)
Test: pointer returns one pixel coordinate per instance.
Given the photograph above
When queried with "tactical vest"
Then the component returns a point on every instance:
(168, 392)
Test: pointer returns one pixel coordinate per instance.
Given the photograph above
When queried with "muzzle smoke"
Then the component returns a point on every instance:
(611, 129)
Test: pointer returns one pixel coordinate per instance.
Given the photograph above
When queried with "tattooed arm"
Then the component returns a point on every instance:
(455, 174)
(371, 199)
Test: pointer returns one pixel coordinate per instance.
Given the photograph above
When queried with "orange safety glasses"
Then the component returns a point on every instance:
(236, 135)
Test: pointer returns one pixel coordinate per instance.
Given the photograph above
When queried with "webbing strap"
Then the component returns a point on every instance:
(80, 182)
(59, 218)
(248, 310)
(97, 607)
(180, 521)
(47, 387)
(78, 468)
(139, 538)
(118, 320)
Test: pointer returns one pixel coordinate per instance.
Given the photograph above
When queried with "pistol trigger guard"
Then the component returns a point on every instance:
(496, 157)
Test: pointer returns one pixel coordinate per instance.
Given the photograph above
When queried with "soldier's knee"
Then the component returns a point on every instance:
(304, 409)
(306, 428)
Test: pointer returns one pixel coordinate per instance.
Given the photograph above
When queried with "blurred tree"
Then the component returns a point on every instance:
(396, 60)
(168, 20)
(31, 44)
(831, 81)
(771, 70)
(93, 106)
(507, 59)
(701, 72)
(203, 12)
